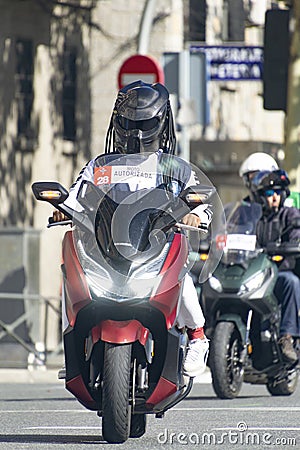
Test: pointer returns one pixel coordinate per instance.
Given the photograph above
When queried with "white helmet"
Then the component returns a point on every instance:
(258, 161)
(254, 163)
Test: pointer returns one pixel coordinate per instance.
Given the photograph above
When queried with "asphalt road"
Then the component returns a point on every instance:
(36, 412)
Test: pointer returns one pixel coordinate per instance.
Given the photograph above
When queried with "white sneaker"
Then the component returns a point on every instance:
(196, 357)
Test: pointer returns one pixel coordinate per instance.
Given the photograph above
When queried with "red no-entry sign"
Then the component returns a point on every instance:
(140, 67)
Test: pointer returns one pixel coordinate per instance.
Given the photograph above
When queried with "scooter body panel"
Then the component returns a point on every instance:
(124, 262)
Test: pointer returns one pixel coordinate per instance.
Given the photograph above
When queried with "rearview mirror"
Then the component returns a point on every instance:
(50, 191)
(197, 194)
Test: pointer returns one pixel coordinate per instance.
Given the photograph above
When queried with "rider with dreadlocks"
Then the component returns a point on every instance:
(142, 122)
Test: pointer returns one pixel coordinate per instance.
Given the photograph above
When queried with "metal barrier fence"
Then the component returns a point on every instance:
(36, 307)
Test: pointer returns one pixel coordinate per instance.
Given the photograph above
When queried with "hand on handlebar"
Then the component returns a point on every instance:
(58, 216)
(191, 220)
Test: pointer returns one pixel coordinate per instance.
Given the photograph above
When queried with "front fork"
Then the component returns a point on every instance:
(244, 331)
(247, 347)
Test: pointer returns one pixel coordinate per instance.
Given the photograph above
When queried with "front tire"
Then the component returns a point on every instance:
(225, 360)
(116, 409)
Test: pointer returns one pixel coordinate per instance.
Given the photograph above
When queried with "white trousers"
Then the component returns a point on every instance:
(190, 314)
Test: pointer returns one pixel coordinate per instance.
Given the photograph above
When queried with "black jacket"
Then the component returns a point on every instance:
(273, 226)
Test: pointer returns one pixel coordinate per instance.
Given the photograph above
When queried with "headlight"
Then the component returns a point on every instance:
(215, 284)
(100, 286)
(106, 288)
(119, 287)
(107, 282)
(253, 283)
(90, 265)
(151, 269)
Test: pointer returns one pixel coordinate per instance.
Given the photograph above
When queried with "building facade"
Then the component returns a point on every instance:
(58, 81)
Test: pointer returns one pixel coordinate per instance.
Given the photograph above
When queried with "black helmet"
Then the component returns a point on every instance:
(142, 120)
(266, 182)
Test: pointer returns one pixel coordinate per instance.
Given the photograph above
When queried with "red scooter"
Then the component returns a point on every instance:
(123, 265)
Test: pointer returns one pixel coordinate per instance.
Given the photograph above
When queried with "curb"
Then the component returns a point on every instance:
(44, 375)
(41, 375)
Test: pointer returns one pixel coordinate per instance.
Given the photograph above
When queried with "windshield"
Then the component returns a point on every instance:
(240, 242)
(242, 217)
(126, 212)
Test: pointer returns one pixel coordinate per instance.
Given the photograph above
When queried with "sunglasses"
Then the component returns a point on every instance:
(271, 192)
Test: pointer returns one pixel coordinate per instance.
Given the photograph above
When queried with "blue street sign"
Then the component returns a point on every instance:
(232, 62)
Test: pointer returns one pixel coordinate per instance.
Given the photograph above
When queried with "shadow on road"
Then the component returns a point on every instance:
(51, 439)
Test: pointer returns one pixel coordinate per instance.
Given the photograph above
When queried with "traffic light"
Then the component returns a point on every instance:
(276, 59)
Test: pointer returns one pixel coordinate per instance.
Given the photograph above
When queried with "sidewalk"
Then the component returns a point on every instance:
(44, 375)
(41, 375)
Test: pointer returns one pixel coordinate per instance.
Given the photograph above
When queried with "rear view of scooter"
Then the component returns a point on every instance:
(242, 312)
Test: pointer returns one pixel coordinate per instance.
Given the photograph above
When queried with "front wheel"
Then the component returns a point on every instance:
(285, 387)
(116, 409)
(225, 360)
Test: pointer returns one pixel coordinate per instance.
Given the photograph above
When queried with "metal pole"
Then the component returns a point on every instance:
(292, 139)
(145, 27)
(184, 96)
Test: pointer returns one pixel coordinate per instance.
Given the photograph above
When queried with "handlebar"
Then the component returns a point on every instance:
(201, 229)
(283, 249)
(51, 223)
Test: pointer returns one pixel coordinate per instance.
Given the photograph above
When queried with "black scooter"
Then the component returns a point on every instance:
(242, 312)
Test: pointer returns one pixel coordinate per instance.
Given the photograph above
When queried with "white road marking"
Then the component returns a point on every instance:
(61, 428)
(236, 408)
(242, 408)
(260, 428)
(22, 411)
